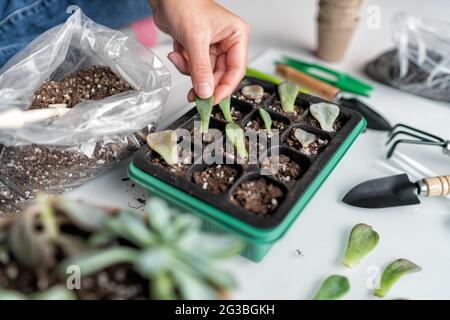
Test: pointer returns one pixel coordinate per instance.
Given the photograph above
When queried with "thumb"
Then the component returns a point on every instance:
(200, 68)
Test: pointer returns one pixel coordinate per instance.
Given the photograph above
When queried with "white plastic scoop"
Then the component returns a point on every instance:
(15, 118)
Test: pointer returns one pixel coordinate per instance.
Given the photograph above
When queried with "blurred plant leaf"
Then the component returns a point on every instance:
(305, 138)
(334, 287)
(94, 261)
(11, 295)
(363, 239)
(55, 293)
(393, 272)
(84, 216)
(130, 226)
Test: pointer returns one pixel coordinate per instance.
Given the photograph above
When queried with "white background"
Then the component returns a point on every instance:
(419, 233)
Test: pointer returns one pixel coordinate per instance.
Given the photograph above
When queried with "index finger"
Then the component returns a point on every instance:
(236, 62)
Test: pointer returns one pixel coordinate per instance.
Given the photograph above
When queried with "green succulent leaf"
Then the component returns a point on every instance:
(193, 288)
(325, 113)
(163, 287)
(97, 260)
(55, 293)
(333, 288)
(235, 135)
(12, 295)
(204, 108)
(165, 144)
(267, 119)
(363, 239)
(151, 262)
(225, 106)
(288, 92)
(130, 226)
(305, 138)
(85, 216)
(47, 216)
(27, 245)
(392, 273)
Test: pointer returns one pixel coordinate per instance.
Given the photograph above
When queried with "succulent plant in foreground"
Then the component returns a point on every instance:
(204, 108)
(363, 239)
(334, 287)
(288, 92)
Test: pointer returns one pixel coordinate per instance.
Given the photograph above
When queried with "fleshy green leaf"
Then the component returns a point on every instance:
(12, 295)
(204, 108)
(165, 144)
(163, 287)
(85, 216)
(334, 287)
(97, 260)
(325, 113)
(267, 119)
(392, 273)
(305, 138)
(288, 92)
(55, 293)
(235, 135)
(362, 240)
(47, 217)
(28, 245)
(225, 106)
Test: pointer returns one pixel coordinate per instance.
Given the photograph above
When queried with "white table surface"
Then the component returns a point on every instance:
(419, 233)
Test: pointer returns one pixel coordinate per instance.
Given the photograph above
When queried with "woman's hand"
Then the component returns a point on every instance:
(210, 44)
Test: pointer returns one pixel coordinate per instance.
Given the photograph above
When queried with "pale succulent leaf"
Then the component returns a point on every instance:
(253, 91)
(55, 293)
(159, 215)
(267, 119)
(288, 92)
(225, 106)
(97, 260)
(325, 113)
(363, 239)
(132, 227)
(84, 216)
(392, 273)
(204, 108)
(165, 144)
(163, 287)
(193, 288)
(305, 138)
(235, 135)
(151, 262)
(12, 295)
(333, 288)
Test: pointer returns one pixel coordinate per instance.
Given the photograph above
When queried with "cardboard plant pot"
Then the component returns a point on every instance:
(230, 211)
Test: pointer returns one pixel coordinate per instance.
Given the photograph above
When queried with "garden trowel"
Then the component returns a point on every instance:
(396, 191)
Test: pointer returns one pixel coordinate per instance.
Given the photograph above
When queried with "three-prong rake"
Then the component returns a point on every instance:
(420, 137)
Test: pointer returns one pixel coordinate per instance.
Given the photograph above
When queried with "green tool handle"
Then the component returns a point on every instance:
(264, 76)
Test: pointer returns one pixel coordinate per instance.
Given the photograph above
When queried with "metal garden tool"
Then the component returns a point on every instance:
(375, 121)
(396, 191)
(419, 137)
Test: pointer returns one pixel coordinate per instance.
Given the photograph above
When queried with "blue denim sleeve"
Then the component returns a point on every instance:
(23, 20)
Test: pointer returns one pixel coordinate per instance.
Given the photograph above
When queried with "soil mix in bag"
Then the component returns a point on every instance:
(114, 87)
(27, 170)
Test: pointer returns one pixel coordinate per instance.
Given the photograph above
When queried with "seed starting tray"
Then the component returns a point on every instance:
(221, 214)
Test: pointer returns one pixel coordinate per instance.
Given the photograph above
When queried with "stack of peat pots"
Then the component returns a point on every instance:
(336, 23)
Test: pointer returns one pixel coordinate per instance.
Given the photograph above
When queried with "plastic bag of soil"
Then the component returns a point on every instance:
(420, 62)
(113, 88)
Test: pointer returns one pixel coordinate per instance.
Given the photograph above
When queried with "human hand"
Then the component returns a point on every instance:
(210, 44)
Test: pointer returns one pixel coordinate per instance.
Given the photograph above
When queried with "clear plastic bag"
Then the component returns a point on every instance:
(420, 62)
(56, 155)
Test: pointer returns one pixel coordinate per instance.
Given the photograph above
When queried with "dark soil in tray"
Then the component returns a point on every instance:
(179, 169)
(258, 196)
(237, 115)
(297, 115)
(313, 149)
(253, 102)
(288, 170)
(257, 124)
(338, 124)
(216, 178)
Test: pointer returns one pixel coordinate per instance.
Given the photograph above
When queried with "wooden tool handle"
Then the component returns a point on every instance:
(437, 186)
(318, 87)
